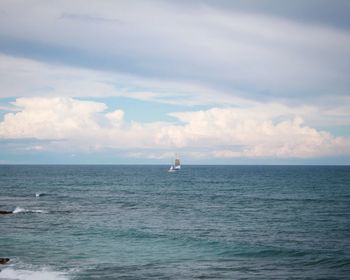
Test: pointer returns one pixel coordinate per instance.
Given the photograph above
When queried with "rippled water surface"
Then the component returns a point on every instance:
(204, 222)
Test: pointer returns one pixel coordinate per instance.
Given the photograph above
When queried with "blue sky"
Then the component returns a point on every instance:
(218, 82)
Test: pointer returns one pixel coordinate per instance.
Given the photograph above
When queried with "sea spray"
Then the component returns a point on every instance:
(10, 273)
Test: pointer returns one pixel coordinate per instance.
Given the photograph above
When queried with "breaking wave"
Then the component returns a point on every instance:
(22, 210)
(24, 274)
(39, 194)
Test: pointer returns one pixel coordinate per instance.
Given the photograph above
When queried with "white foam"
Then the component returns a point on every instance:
(37, 211)
(19, 210)
(23, 274)
(39, 194)
(22, 210)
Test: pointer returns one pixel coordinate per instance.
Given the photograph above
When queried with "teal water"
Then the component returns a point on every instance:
(204, 222)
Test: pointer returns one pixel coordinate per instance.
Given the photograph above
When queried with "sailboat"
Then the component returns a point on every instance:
(176, 166)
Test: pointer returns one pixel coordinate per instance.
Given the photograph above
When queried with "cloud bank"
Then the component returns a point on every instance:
(217, 132)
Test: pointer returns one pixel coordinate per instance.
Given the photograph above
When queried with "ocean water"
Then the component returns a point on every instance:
(204, 222)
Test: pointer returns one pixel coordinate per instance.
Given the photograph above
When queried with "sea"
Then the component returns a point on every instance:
(202, 222)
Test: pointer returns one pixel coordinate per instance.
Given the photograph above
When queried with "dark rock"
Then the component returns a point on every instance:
(4, 260)
(5, 212)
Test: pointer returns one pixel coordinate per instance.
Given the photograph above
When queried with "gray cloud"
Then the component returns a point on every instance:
(89, 18)
(325, 12)
(261, 50)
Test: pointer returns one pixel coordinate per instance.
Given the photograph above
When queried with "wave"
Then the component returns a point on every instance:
(39, 194)
(24, 274)
(22, 210)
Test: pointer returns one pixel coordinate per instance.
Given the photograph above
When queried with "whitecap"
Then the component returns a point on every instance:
(24, 274)
(18, 210)
(22, 210)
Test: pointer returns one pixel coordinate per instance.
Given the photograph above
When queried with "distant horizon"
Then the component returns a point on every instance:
(165, 164)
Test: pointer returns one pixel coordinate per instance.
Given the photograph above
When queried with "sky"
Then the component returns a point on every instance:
(136, 82)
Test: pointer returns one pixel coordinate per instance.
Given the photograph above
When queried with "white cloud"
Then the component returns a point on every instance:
(260, 131)
(51, 118)
(115, 118)
(35, 148)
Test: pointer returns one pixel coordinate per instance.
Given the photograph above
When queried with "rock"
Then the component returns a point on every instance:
(4, 260)
(5, 212)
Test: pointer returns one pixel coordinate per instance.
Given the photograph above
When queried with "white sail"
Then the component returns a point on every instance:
(171, 169)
